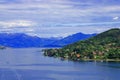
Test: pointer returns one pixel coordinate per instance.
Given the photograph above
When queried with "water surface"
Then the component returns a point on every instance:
(30, 64)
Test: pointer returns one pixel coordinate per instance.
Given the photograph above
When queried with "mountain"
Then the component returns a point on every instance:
(71, 39)
(103, 46)
(19, 40)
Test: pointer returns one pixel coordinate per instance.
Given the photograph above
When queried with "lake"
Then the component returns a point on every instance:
(30, 64)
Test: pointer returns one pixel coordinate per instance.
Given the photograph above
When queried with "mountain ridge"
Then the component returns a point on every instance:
(21, 40)
(103, 46)
(71, 39)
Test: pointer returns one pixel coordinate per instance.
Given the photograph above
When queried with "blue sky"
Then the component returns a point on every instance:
(58, 18)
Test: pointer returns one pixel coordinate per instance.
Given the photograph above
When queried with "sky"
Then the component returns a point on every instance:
(58, 18)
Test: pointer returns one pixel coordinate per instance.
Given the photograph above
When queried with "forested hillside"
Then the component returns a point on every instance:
(105, 45)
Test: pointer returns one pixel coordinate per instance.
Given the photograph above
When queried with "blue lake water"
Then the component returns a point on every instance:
(30, 64)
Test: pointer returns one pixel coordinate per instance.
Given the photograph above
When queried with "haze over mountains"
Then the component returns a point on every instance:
(21, 40)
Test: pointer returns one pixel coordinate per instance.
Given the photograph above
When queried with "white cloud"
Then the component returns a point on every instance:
(17, 23)
(58, 10)
(116, 18)
(71, 16)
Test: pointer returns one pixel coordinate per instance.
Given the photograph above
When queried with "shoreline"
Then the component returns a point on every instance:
(102, 60)
(89, 60)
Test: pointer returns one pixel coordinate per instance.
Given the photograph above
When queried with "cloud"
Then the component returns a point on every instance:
(116, 18)
(57, 10)
(65, 31)
(58, 17)
(17, 23)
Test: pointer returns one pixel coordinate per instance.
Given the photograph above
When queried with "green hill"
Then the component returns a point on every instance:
(104, 46)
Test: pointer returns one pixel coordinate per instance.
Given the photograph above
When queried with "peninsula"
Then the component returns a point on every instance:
(104, 46)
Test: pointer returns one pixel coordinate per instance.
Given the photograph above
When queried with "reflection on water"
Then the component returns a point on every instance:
(30, 64)
(111, 65)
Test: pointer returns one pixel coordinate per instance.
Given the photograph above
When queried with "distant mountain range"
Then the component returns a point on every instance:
(21, 40)
(71, 39)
